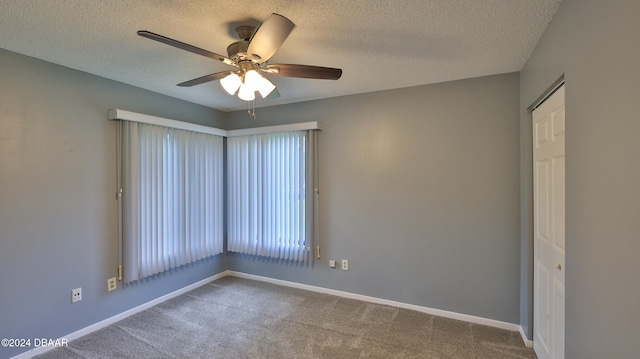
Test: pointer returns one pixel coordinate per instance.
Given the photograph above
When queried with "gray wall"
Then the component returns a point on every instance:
(57, 206)
(419, 190)
(595, 45)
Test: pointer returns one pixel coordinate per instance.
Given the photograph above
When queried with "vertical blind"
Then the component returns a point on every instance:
(172, 198)
(270, 210)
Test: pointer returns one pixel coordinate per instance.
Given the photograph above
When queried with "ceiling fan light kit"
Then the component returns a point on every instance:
(247, 82)
(250, 56)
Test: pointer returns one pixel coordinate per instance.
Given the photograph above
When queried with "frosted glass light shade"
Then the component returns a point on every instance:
(231, 83)
(252, 79)
(246, 93)
(265, 87)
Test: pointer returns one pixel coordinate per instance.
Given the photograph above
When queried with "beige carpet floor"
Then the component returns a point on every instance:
(240, 318)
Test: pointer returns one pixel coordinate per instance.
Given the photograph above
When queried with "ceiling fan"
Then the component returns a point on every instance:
(250, 56)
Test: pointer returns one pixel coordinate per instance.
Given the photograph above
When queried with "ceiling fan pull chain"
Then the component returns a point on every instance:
(253, 109)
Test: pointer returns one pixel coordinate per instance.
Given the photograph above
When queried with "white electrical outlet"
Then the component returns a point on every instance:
(76, 295)
(111, 284)
(345, 264)
(332, 263)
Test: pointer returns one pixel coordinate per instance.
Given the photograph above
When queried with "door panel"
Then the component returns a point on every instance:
(542, 200)
(542, 304)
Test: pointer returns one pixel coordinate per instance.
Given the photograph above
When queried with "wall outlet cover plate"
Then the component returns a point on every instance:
(111, 284)
(76, 295)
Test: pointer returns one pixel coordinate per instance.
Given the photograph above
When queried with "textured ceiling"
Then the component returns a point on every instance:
(379, 45)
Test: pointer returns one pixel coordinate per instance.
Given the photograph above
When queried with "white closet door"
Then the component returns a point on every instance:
(549, 241)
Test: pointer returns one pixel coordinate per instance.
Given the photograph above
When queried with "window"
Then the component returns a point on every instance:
(271, 211)
(172, 198)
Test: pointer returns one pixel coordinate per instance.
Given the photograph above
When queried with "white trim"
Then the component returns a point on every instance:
(438, 312)
(302, 126)
(528, 343)
(117, 114)
(118, 317)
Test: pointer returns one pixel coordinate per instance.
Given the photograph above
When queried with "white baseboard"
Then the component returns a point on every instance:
(118, 317)
(438, 312)
(527, 342)
(432, 311)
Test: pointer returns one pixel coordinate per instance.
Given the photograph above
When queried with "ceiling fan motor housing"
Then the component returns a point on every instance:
(238, 50)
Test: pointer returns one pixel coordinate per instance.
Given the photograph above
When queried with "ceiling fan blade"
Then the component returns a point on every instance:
(186, 47)
(207, 78)
(269, 37)
(304, 71)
